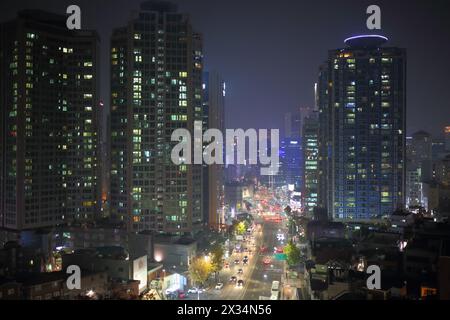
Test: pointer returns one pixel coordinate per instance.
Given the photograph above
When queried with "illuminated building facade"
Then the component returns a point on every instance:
(311, 162)
(419, 167)
(291, 163)
(362, 104)
(156, 87)
(49, 85)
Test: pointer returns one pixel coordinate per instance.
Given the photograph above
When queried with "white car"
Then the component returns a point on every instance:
(169, 291)
(195, 290)
(219, 286)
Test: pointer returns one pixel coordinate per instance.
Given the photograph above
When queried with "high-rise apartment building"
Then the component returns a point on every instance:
(214, 91)
(362, 105)
(49, 138)
(156, 88)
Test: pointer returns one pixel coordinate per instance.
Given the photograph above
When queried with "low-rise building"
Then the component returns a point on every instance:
(174, 251)
(114, 261)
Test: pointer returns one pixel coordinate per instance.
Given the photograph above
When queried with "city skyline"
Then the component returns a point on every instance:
(141, 156)
(292, 51)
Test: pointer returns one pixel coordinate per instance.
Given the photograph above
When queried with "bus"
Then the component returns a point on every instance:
(275, 291)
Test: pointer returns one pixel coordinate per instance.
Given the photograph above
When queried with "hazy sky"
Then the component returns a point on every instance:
(269, 51)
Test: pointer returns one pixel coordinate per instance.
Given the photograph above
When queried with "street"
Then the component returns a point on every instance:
(257, 275)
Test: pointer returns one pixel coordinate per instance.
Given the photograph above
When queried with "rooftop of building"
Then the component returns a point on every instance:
(106, 252)
(366, 41)
(169, 239)
(31, 279)
(159, 6)
(44, 20)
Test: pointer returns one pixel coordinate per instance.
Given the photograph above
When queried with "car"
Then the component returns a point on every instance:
(240, 283)
(195, 290)
(227, 265)
(245, 262)
(240, 271)
(237, 261)
(181, 294)
(169, 291)
(219, 286)
(245, 257)
(233, 279)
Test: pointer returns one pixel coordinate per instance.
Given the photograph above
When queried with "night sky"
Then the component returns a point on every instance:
(269, 51)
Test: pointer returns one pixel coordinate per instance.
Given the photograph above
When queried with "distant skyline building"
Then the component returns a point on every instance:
(362, 107)
(310, 149)
(419, 167)
(438, 148)
(293, 122)
(419, 154)
(49, 139)
(447, 137)
(214, 92)
(442, 171)
(291, 164)
(156, 87)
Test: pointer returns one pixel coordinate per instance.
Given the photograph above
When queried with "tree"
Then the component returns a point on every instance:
(199, 270)
(293, 254)
(217, 253)
(241, 228)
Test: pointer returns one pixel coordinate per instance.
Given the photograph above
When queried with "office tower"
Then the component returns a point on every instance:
(156, 87)
(291, 164)
(419, 166)
(49, 96)
(293, 122)
(310, 136)
(419, 154)
(214, 91)
(362, 101)
(414, 187)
